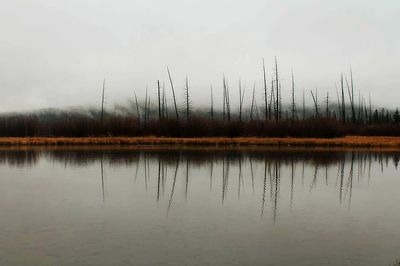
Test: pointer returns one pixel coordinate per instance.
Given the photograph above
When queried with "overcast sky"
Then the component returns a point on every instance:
(55, 53)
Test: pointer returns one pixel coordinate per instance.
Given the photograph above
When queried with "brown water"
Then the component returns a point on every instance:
(130, 206)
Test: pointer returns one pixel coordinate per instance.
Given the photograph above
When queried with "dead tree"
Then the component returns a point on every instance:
(304, 107)
(256, 109)
(294, 115)
(365, 111)
(145, 108)
(226, 105)
(223, 99)
(352, 94)
(159, 100)
(241, 98)
(165, 103)
(277, 111)
(370, 108)
(148, 109)
(162, 102)
(315, 100)
(252, 102)
(327, 114)
(187, 99)
(351, 97)
(360, 107)
(102, 101)
(338, 101)
(343, 100)
(137, 109)
(271, 100)
(265, 92)
(212, 104)
(173, 94)
(280, 100)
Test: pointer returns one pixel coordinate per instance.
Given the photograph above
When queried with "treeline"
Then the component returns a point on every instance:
(197, 126)
(264, 116)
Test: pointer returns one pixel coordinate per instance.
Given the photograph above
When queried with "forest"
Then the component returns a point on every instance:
(343, 115)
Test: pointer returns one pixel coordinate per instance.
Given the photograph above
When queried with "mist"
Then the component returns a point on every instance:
(57, 53)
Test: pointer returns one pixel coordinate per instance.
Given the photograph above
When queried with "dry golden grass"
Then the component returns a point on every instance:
(350, 141)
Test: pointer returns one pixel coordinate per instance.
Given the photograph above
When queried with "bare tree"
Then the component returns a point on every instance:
(137, 109)
(351, 97)
(224, 99)
(352, 94)
(277, 111)
(173, 94)
(265, 92)
(294, 115)
(343, 100)
(241, 98)
(338, 101)
(159, 99)
(252, 102)
(256, 109)
(212, 104)
(315, 99)
(187, 99)
(327, 105)
(145, 108)
(148, 109)
(271, 105)
(370, 108)
(165, 102)
(304, 107)
(102, 101)
(226, 104)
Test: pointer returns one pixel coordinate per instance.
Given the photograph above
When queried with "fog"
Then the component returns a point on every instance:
(56, 53)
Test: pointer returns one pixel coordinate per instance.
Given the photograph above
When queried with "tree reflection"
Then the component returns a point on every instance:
(292, 172)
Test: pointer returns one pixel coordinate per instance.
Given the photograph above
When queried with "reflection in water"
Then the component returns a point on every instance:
(242, 206)
(238, 169)
(102, 174)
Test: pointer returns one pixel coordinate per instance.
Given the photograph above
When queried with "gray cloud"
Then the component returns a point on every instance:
(56, 53)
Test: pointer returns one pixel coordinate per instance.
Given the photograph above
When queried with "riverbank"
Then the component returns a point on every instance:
(350, 141)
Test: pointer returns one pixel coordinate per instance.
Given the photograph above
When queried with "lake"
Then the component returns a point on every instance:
(198, 206)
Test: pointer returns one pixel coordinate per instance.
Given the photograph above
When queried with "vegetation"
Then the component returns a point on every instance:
(271, 118)
(346, 142)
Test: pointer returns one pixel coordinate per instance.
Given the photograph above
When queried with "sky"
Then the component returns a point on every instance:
(56, 53)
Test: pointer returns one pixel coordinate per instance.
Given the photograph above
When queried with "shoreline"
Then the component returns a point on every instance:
(349, 141)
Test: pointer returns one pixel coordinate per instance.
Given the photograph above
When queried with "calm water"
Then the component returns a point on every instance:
(149, 206)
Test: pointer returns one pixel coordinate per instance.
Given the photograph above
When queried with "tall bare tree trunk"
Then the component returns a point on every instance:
(315, 99)
(187, 100)
(343, 100)
(252, 102)
(241, 97)
(228, 105)
(102, 101)
(224, 99)
(159, 100)
(294, 115)
(166, 115)
(304, 107)
(327, 106)
(212, 104)
(137, 109)
(277, 90)
(338, 102)
(145, 108)
(265, 92)
(352, 95)
(173, 94)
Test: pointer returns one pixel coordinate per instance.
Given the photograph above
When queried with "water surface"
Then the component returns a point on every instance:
(149, 206)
